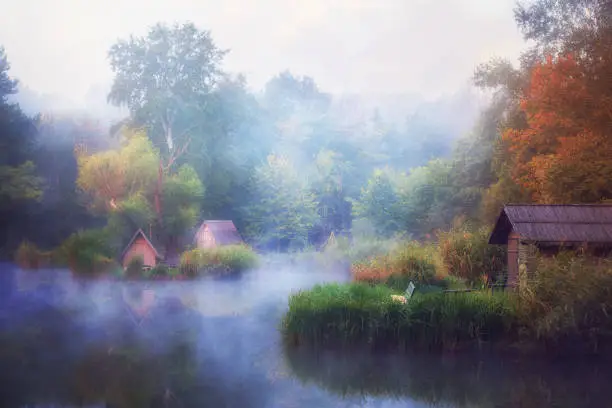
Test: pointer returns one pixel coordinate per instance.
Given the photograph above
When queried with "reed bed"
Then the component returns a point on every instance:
(362, 314)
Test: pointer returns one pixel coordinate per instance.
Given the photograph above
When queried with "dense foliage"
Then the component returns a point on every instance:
(289, 166)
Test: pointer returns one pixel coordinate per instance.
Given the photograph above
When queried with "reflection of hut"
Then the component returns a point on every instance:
(140, 301)
(140, 245)
(551, 228)
(213, 233)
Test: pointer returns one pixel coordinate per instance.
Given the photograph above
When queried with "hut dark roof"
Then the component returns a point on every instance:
(138, 233)
(555, 223)
(224, 231)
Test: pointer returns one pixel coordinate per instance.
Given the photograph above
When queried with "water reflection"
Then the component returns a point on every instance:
(69, 343)
(454, 381)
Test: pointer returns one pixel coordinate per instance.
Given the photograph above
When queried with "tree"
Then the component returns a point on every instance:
(426, 197)
(165, 80)
(298, 110)
(19, 181)
(283, 210)
(563, 155)
(237, 139)
(122, 185)
(379, 204)
(112, 176)
(327, 183)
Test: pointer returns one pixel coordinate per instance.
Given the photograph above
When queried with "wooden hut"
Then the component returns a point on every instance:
(213, 233)
(550, 228)
(141, 245)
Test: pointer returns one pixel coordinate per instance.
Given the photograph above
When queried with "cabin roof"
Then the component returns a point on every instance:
(555, 223)
(138, 233)
(224, 231)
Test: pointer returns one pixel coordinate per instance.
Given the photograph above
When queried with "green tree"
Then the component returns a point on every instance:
(379, 204)
(121, 184)
(19, 181)
(283, 209)
(18, 176)
(327, 184)
(165, 79)
(425, 197)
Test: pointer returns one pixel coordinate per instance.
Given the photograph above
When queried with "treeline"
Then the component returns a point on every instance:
(543, 139)
(288, 167)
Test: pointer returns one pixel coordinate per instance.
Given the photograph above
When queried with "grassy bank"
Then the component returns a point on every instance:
(90, 253)
(563, 306)
(358, 313)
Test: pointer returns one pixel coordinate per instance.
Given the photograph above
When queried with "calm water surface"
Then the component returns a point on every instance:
(67, 343)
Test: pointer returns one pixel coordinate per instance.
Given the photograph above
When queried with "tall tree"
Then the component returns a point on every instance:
(283, 209)
(379, 203)
(19, 181)
(121, 184)
(165, 79)
(563, 155)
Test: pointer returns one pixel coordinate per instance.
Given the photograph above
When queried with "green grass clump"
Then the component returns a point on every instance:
(449, 320)
(338, 313)
(135, 267)
(161, 271)
(362, 314)
(230, 258)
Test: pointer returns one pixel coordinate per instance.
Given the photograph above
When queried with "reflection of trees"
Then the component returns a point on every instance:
(465, 381)
(49, 358)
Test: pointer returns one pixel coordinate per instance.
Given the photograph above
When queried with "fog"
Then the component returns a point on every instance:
(219, 333)
(413, 49)
(214, 343)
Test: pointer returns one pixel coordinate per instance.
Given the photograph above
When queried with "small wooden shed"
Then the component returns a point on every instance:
(141, 245)
(550, 228)
(213, 233)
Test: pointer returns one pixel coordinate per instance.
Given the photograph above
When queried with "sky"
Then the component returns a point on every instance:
(427, 47)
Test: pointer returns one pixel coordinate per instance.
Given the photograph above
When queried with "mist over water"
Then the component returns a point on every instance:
(215, 343)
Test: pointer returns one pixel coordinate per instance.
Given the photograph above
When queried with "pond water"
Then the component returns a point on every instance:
(215, 343)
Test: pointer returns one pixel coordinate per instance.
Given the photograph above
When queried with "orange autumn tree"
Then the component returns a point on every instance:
(562, 155)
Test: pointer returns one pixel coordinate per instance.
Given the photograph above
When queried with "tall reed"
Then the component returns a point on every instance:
(468, 255)
(358, 313)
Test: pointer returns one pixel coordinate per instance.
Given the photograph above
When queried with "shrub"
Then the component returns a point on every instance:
(363, 314)
(29, 256)
(237, 258)
(567, 300)
(410, 262)
(86, 252)
(135, 267)
(469, 256)
(159, 271)
(231, 258)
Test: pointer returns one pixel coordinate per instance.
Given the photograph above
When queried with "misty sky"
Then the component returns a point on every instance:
(357, 46)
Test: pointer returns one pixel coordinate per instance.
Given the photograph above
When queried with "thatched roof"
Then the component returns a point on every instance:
(555, 223)
(224, 231)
